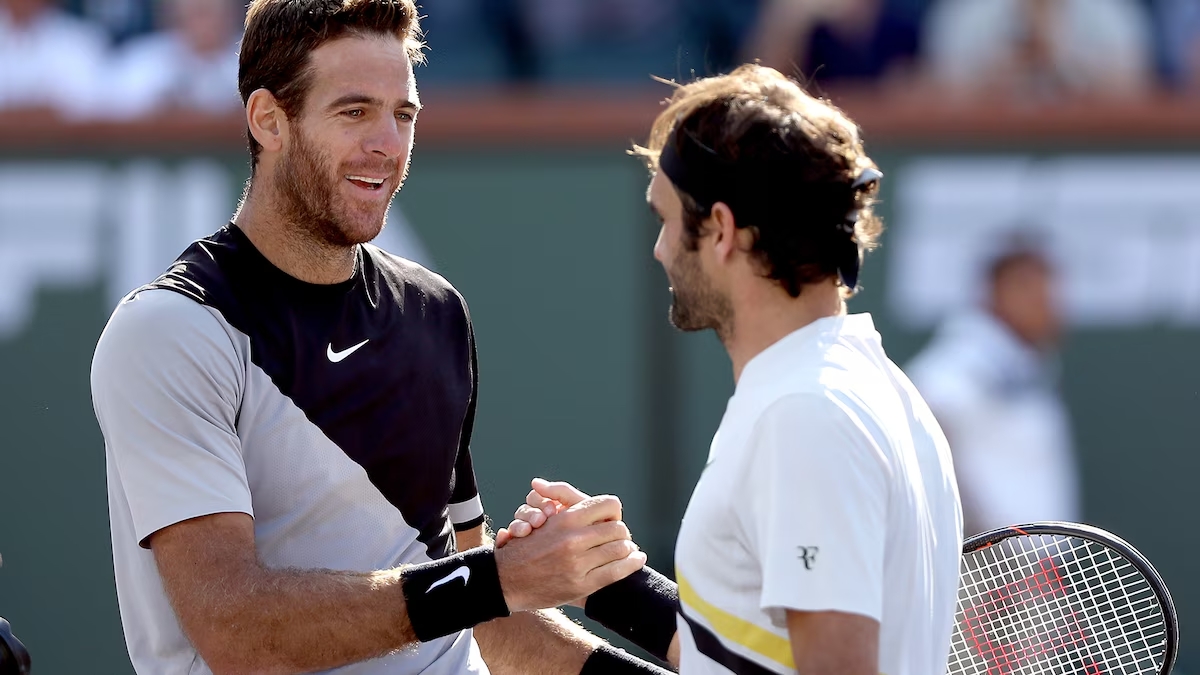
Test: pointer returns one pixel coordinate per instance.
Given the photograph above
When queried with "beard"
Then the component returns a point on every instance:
(310, 198)
(695, 304)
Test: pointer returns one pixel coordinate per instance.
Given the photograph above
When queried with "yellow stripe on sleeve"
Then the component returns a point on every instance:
(736, 629)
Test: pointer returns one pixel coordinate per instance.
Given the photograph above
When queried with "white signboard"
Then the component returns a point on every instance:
(1124, 230)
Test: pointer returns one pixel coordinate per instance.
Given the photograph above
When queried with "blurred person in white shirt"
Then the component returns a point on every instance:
(192, 65)
(990, 377)
(1040, 48)
(49, 60)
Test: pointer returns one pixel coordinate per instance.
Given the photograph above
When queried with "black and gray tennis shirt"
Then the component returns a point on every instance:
(338, 416)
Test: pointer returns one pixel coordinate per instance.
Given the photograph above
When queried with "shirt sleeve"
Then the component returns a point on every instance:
(465, 507)
(818, 495)
(166, 387)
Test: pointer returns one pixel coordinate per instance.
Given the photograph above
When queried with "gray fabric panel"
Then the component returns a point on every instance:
(167, 379)
(192, 427)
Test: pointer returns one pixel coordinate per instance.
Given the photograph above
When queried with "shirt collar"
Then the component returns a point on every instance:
(766, 365)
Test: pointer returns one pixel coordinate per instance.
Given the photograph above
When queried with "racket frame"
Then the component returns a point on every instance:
(1104, 538)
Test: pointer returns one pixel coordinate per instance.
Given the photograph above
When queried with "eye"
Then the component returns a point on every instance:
(406, 117)
(355, 112)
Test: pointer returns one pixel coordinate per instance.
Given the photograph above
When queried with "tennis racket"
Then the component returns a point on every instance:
(14, 660)
(1063, 599)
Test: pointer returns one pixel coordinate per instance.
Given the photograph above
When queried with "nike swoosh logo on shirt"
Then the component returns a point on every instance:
(334, 357)
(463, 573)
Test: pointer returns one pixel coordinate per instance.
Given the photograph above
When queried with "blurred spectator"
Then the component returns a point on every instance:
(120, 19)
(1040, 48)
(49, 60)
(509, 24)
(836, 40)
(990, 378)
(561, 24)
(1179, 26)
(587, 38)
(192, 65)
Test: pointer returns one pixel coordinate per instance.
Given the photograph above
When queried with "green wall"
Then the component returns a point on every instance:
(581, 379)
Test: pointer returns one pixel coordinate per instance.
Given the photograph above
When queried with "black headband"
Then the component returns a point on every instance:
(698, 171)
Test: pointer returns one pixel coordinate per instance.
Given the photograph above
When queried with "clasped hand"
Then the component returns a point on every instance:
(582, 549)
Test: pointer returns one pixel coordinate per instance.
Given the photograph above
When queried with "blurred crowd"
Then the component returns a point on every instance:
(121, 59)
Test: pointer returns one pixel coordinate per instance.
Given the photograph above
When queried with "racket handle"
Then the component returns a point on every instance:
(14, 659)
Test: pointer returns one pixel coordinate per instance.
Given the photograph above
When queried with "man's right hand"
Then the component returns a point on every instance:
(583, 549)
(543, 501)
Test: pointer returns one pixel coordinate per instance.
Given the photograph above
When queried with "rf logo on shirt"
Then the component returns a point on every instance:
(809, 555)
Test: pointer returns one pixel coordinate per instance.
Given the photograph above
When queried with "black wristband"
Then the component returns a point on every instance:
(641, 608)
(608, 660)
(454, 593)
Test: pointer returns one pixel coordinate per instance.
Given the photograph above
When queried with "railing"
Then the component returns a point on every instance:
(610, 115)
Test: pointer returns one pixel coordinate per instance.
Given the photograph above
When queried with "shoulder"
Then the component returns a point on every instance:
(827, 438)
(398, 271)
(150, 318)
(202, 273)
(818, 422)
(157, 330)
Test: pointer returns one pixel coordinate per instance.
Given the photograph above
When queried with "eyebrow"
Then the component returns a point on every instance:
(366, 99)
(654, 209)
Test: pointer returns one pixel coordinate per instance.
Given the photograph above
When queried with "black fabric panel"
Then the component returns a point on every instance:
(710, 645)
(401, 405)
(464, 486)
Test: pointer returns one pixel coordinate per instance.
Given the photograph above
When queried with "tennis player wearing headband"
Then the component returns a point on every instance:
(824, 534)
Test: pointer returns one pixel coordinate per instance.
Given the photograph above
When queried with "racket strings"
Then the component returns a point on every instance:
(1031, 637)
(1054, 604)
(1021, 620)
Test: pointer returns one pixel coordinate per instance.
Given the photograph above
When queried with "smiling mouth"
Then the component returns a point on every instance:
(366, 182)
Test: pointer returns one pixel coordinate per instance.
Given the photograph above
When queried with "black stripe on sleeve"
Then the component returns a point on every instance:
(470, 524)
(710, 645)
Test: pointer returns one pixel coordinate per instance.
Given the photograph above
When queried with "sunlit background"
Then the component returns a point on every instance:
(1075, 121)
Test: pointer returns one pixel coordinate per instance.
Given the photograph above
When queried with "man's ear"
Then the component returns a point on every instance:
(728, 238)
(266, 120)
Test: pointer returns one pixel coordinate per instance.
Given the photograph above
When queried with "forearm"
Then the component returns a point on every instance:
(281, 622)
(641, 608)
(543, 642)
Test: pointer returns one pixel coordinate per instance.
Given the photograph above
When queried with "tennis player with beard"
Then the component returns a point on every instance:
(824, 534)
(287, 411)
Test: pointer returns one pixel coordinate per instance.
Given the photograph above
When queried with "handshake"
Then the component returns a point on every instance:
(580, 546)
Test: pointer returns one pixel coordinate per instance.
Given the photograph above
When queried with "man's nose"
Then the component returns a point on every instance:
(388, 139)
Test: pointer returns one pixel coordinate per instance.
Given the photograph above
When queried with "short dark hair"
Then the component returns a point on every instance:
(282, 34)
(756, 116)
(1017, 248)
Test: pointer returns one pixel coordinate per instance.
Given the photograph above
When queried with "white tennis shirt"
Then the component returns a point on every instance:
(829, 486)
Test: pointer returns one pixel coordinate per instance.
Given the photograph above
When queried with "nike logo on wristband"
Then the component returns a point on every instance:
(463, 573)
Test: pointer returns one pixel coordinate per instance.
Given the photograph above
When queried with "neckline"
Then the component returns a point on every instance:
(278, 276)
(765, 361)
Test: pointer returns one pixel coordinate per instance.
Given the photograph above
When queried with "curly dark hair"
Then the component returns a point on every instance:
(756, 117)
(282, 34)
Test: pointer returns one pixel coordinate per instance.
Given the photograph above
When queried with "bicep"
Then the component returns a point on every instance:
(202, 562)
(827, 643)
